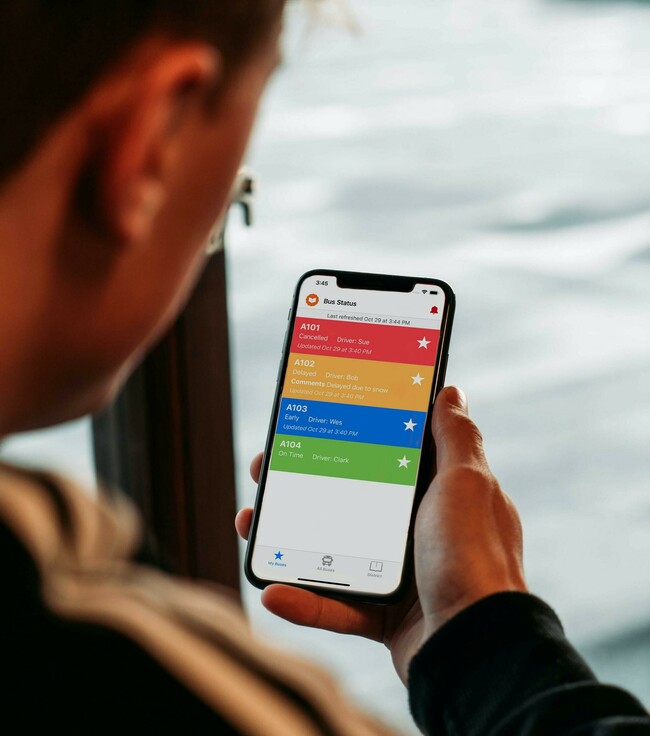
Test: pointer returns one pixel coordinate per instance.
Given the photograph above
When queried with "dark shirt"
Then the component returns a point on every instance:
(94, 641)
(77, 674)
(502, 667)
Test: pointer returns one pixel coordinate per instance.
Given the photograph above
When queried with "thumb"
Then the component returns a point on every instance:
(458, 440)
(454, 397)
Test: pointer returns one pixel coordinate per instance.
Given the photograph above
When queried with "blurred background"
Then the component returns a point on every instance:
(503, 146)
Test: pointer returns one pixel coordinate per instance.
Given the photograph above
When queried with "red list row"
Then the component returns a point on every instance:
(387, 343)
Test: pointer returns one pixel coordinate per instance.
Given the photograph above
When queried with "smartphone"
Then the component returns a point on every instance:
(349, 449)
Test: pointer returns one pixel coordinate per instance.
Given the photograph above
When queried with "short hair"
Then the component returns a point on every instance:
(51, 51)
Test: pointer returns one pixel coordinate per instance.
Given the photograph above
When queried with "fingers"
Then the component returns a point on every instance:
(305, 608)
(458, 440)
(245, 516)
(243, 522)
(256, 467)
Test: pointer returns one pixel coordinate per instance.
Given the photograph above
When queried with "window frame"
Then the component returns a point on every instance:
(167, 440)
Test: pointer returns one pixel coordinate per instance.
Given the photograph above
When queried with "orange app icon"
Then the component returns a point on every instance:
(312, 300)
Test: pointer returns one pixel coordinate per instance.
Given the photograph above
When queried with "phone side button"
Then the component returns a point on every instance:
(443, 370)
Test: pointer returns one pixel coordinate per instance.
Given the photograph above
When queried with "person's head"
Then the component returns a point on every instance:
(124, 123)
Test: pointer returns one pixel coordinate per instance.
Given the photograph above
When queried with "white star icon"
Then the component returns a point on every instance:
(417, 380)
(424, 343)
(403, 462)
(410, 425)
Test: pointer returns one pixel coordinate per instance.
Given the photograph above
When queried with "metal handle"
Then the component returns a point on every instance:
(243, 194)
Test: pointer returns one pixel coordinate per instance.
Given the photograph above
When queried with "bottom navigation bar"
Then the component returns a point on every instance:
(327, 570)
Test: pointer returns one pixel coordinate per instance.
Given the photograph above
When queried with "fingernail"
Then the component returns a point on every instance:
(456, 397)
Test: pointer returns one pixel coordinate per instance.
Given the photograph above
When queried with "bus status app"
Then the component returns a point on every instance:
(346, 452)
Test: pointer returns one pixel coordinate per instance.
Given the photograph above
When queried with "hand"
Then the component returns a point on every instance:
(468, 545)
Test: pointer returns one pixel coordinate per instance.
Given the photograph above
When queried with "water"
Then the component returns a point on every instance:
(502, 146)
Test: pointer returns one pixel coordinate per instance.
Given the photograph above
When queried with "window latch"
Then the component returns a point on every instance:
(243, 195)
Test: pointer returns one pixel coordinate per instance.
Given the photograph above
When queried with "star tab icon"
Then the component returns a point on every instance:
(279, 555)
(403, 462)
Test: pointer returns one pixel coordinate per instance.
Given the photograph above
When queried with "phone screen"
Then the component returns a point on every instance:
(343, 462)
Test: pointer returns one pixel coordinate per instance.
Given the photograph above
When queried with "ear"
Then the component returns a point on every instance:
(152, 99)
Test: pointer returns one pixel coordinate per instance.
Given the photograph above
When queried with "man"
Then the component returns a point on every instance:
(123, 125)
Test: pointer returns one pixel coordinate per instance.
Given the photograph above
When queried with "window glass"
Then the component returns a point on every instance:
(502, 146)
(66, 449)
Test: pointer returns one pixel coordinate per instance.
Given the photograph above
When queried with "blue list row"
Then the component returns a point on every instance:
(354, 423)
